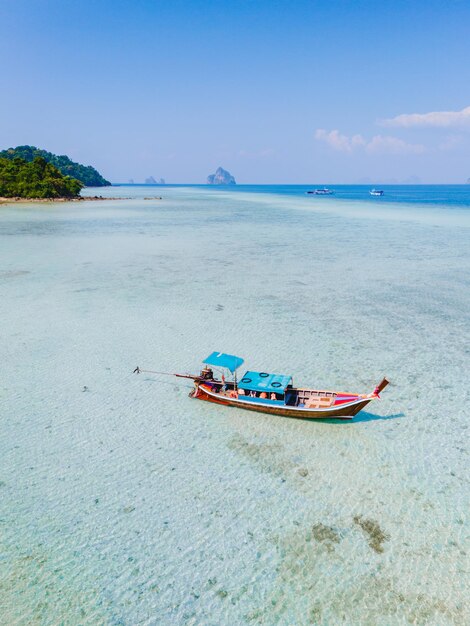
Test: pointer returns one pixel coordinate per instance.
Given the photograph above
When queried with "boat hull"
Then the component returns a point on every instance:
(345, 411)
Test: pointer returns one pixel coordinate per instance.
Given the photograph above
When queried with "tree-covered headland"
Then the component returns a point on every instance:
(35, 179)
(84, 173)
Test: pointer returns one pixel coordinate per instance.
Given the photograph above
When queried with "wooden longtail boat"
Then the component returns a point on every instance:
(273, 393)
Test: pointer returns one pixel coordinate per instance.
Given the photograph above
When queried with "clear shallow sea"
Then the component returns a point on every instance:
(129, 503)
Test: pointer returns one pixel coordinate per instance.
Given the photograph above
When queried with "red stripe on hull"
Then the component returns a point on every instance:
(342, 412)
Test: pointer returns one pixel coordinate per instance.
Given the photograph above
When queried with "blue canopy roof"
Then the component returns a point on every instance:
(262, 381)
(220, 359)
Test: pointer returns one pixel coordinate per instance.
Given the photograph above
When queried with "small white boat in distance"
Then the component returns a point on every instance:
(321, 192)
(376, 192)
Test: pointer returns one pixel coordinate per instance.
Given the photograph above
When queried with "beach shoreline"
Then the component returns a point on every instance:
(18, 200)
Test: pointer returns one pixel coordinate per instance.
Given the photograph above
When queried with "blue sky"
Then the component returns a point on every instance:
(275, 91)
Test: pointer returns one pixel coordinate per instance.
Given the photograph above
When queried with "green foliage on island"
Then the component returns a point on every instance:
(84, 173)
(35, 179)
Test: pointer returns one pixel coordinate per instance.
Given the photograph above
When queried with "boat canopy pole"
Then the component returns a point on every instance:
(140, 371)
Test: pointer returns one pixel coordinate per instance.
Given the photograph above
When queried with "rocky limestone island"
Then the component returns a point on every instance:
(221, 177)
(151, 181)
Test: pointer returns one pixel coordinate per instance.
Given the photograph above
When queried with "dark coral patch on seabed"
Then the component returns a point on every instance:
(376, 535)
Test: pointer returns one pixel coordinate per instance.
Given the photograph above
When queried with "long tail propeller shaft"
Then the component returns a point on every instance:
(141, 371)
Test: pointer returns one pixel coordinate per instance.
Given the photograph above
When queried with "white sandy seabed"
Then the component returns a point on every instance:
(124, 502)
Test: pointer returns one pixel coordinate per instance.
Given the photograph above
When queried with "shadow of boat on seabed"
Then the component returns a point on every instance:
(363, 416)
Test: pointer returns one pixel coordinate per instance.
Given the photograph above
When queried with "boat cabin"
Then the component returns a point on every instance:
(271, 388)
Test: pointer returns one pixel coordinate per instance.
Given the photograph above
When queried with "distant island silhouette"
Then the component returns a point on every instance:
(221, 177)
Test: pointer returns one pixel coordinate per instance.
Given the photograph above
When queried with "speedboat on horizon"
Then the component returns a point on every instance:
(321, 192)
(376, 192)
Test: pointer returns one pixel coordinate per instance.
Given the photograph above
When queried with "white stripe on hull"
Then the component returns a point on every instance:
(273, 408)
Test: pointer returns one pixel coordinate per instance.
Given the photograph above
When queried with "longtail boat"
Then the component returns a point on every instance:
(272, 393)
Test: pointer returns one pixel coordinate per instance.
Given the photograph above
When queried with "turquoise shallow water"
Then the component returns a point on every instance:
(128, 503)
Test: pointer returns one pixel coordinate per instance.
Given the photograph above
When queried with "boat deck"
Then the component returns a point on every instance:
(294, 397)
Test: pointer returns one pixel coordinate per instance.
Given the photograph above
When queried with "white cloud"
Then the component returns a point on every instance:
(339, 142)
(392, 145)
(335, 140)
(437, 119)
(379, 144)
